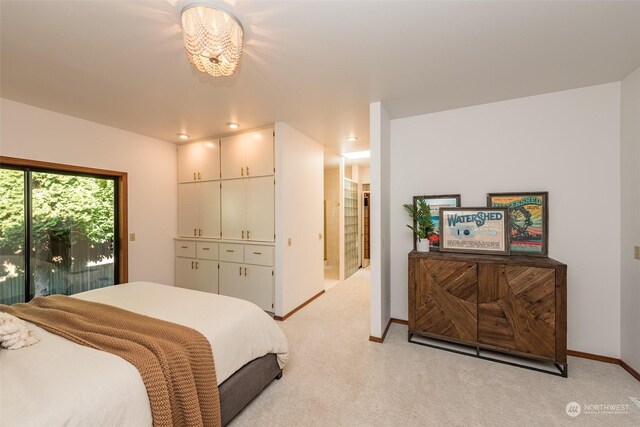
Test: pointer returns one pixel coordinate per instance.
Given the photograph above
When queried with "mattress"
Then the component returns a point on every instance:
(57, 382)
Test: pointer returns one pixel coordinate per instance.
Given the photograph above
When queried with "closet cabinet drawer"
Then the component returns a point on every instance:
(207, 250)
(185, 249)
(231, 252)
(259, 255)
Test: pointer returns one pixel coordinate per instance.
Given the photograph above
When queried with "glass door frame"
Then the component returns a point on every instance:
(121, 243)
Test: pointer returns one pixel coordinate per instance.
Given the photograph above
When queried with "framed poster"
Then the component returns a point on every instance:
(528, 220)
(475, 230)
(435, 203)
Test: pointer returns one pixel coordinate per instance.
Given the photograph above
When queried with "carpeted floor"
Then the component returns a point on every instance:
(336, 377)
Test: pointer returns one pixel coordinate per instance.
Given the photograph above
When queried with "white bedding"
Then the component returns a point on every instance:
(57, 382)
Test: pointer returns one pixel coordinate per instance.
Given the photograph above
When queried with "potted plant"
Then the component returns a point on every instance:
(424, 228)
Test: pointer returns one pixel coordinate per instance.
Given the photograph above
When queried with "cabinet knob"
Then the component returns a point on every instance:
(230, 250)
(199, 232)
(245, 271)
(247, 234)
(195, 233)
(247, 170)
(240, 270)
(257, 253)
(184, 247)
(194, 176)
(192, 264)
(243, 234)
(242, 171)
(199, 175)
(205, 249)
(196, 265)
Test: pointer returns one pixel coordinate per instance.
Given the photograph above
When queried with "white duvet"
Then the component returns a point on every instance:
(57, 382)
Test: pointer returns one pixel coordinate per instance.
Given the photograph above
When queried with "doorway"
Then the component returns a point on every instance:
(365, 234)
(346, 216)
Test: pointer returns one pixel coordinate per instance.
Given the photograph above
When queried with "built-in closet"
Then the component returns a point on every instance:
(226, 216)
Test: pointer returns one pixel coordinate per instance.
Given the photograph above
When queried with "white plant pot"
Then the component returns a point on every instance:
(422, 245)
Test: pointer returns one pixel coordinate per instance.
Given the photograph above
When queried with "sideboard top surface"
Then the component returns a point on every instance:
(533, 261)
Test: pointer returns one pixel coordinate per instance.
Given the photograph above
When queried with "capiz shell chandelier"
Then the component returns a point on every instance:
(213, 39)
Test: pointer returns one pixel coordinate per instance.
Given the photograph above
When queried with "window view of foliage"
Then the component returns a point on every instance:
(72, 228)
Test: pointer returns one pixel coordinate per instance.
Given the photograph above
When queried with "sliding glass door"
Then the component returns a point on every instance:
(12, 236)
(68, 222)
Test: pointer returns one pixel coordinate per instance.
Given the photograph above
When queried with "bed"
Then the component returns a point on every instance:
(57, 382)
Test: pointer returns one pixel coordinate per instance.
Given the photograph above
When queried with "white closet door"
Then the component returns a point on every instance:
(206, 276)
(234, 209)
(185, 274)
(259, 286)
(188, 162)
(188, 209)
(259, 152)
(199, 161)
(261, 208)
(232, 157)
(231, 280)
(209, 196)
(209, 161)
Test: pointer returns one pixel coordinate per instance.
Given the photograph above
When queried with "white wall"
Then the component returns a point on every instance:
(299, 217)
(381, 172)
(630, 213)
(566, 143)
(33, 133)
(365, 175)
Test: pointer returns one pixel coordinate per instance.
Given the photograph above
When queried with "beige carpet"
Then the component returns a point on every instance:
(336, 377)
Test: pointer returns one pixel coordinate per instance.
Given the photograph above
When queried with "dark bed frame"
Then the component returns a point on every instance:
(245, 384)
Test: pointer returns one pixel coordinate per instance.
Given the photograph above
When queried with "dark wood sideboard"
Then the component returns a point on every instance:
(505, 304)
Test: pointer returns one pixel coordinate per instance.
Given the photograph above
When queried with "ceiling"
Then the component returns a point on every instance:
(313, 64)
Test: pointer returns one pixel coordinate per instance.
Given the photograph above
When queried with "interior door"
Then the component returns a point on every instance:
(188, 209)
(261, 208)
(234, 209)
(259, 152)
(209, 215)
(232, 149)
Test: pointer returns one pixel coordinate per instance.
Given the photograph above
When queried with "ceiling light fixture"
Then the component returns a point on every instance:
(183, 136)
(233, 125)
(357, 155)
(213, 39)
(352, 138)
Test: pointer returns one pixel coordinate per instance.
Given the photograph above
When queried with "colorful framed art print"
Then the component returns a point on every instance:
(528, 220)
(435, 203)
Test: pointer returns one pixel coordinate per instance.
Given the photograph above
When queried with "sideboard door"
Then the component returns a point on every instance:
(516, 308)
(445, 298)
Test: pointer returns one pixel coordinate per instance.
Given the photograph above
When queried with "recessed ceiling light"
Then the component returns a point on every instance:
(183, 136)
(352, 139)
(357, 155)
(233, 125)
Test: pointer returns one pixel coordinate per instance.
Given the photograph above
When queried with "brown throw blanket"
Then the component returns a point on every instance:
(175, 362)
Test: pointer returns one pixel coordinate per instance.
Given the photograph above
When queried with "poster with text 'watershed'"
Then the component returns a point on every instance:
(475, 230)
(526, 216)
